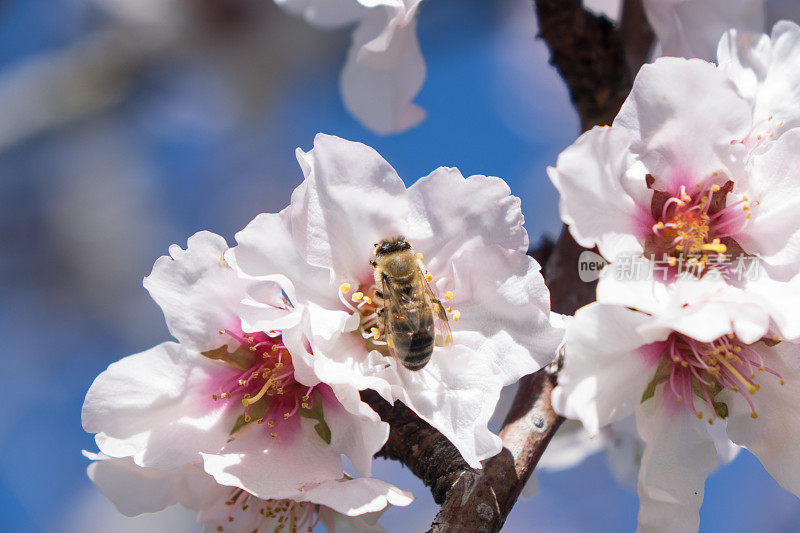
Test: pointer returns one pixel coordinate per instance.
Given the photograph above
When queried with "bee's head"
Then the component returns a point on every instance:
(394, 244)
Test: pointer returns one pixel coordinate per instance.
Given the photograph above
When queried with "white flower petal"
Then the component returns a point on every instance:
(693, 28)
(704, 309)
(456, 392)
(350, 200)
(266, 249)
(679, 455)
(353, 497)
(605, 373)
(385, 69)
(275, 468)
(358, 435)
(773, 231)
(156, 406)
(773, 436)
(504, 310)
(683, 115)
(449, 213)
(604, 197)
(767, 71)
(623, 450)
(197, 291)
(135, 490)
(781, 299)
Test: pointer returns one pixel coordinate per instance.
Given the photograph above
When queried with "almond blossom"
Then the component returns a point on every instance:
(692, 168)
(238, 400)
(703, 365)
(385, 68)
(469, 236)
(341, 505)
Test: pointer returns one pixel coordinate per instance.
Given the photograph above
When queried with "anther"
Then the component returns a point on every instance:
(456, 315)
(357, 296)
(344, 287)
(273, 435)
(448, 295)
(429, 277)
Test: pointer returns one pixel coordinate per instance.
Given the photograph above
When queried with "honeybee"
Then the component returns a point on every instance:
(412, 317)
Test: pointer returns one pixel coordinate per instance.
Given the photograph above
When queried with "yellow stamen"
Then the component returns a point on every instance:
(456, 315)
(357, 296)
(448, 295)
(429, 277)
(344, 287)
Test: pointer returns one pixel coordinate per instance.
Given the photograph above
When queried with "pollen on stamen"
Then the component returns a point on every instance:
(456, 315)
(344, 287)
(429, 277)
(357, 296)
(448, 295)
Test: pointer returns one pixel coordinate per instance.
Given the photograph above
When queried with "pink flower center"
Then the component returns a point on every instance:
(247, 512)
(695, 229)
(692, 368)
(266, 385)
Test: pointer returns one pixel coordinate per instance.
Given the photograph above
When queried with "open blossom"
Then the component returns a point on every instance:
(469, 234)
(237, 399)
(704, 366)
(385, 68)
(691, 169)
(343, 505)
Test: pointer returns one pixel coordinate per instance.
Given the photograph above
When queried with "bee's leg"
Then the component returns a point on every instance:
(373, 263)
(379, 294)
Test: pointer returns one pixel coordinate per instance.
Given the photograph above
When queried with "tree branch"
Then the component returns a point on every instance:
(597, 62)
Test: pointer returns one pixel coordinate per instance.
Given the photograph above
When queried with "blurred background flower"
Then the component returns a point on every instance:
(127, 125)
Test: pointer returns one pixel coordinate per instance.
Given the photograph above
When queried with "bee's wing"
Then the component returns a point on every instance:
(444, 337)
